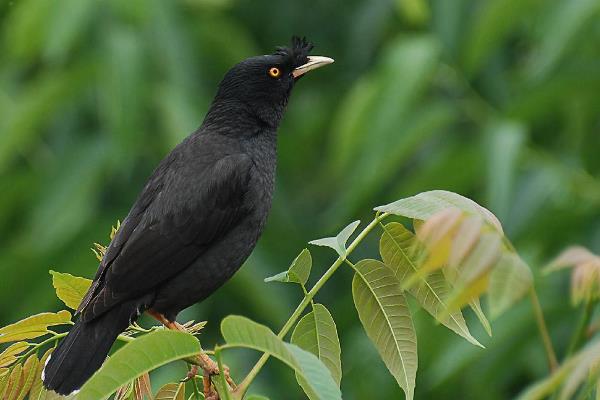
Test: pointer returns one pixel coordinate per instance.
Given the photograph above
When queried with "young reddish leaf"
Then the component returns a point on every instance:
(29, 370)
(37, 391)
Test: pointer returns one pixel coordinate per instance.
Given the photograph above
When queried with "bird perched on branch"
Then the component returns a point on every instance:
(196, 220)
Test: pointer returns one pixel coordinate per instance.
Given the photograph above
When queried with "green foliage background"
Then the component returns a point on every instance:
(498, 100)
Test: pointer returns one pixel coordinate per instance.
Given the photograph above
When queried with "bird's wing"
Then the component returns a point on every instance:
(179, 214)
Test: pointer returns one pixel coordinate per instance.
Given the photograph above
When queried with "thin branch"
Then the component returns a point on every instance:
(243, 386)
(196, 390)
(541, 323)
(35, 348)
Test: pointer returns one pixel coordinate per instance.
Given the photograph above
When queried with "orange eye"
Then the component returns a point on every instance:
(274, 72)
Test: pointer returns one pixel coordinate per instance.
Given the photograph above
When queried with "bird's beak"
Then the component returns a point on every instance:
(314, 62)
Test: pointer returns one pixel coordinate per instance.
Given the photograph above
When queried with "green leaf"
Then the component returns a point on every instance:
(338, 243)
(298, 272)
(280, 277)
(424, 205)
(132, 360)
(476, 307)
(510, 280)
(33, 327)
(256, 397)
(70, 289)
(9, 355)
(243, 332)
(401, 252)
(316, 332)
(171, 391)
(385, 316)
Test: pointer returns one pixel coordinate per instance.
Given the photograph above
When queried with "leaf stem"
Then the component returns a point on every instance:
(580, 332)
(312, 302)
(243, 386)
(541, 323)
(196, 390)
(221, 377)
(55, 336)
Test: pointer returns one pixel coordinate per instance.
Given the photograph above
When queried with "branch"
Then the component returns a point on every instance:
(243, 386)
(541, 323)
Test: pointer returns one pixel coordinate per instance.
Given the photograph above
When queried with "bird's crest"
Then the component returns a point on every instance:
(297, 52)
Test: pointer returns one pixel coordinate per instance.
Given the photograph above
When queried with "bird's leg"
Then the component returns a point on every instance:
(209, 367)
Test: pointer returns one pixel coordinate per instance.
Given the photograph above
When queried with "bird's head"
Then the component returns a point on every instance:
(263, 84)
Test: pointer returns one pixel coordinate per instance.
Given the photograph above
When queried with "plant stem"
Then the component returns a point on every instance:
(56, 336)
(221, 377)
(580, 332)
(196, 390)
(243, 386)
(541, 323)
(35, 348)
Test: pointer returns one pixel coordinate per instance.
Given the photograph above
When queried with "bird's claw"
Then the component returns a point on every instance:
(209, 367)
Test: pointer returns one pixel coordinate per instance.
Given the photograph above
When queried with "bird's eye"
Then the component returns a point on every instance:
(274, 72)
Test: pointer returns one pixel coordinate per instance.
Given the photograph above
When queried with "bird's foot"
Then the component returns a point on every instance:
(209, 367)
(207, 388)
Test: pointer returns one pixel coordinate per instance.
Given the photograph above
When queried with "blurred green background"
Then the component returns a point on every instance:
(497, 100)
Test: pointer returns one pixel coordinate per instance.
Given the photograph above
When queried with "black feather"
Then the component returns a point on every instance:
(298, 51)
(85, 348)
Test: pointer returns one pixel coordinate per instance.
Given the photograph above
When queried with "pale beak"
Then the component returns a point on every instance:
(314, 62)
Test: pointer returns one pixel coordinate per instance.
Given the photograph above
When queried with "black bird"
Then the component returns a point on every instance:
(196, 220)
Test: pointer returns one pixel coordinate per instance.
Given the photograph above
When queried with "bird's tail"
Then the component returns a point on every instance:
(84, 349)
